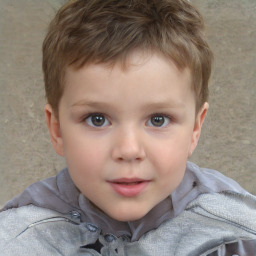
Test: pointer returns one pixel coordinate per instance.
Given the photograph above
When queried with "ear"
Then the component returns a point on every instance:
(198, 127)
(54, 129)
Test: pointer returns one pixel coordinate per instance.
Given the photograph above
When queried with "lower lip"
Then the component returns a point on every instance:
(129, 190)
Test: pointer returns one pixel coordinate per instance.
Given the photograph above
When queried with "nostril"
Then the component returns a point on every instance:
(129, 159)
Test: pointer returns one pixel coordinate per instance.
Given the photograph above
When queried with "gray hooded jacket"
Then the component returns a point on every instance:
(208, 214)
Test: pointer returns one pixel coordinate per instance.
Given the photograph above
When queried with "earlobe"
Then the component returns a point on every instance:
(198, 127)
(54, 129)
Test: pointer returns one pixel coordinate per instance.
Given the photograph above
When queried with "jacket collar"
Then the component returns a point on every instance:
(60, 194)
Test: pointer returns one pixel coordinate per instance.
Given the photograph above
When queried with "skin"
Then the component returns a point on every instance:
(146, 128)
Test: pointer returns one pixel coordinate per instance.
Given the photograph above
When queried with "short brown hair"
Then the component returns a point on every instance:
(106, 31)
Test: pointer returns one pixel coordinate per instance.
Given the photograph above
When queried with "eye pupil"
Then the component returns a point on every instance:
(98, 120)
(157, 120)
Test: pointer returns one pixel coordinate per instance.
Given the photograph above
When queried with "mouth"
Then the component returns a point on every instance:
(130, 183)
(129, 187)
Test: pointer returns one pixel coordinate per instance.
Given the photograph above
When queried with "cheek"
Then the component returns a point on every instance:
(171, 172)
(169, 160)
(84, 164)
(170, 154)
(83, 154)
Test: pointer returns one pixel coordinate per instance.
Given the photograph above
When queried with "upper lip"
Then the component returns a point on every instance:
(128, 180)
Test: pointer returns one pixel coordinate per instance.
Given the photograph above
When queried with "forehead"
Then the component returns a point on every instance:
(135, 62)
(147, 79)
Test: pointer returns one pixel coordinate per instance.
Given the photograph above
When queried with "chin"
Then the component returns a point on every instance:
(126, 216)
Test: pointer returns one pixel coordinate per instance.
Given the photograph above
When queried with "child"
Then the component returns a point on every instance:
(127, 87)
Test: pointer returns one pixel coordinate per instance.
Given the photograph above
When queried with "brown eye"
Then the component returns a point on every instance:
(158, 121)
(97, 120)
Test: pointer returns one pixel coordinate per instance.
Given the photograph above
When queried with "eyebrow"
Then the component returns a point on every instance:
(166, 104)
(156, 104)
(91, 103)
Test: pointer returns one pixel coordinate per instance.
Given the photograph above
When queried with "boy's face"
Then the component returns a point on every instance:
(127, 134)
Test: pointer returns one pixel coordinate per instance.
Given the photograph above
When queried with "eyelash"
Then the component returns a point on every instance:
(90, 115)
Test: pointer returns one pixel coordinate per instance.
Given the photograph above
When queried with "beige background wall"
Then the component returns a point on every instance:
(229, 136)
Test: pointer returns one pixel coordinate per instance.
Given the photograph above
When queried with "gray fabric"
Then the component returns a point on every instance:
(242, 247)
(200, 230)
(194, 232)
(60, 194)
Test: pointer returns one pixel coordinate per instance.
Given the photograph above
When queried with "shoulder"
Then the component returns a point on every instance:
(210, 180)
(57, 193)
(198, 181)
(42, 231)
(16, 222)
(229, 221)
(212, 223)
(235, 211)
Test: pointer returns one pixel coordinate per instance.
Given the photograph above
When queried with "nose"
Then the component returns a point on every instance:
(128, 146)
